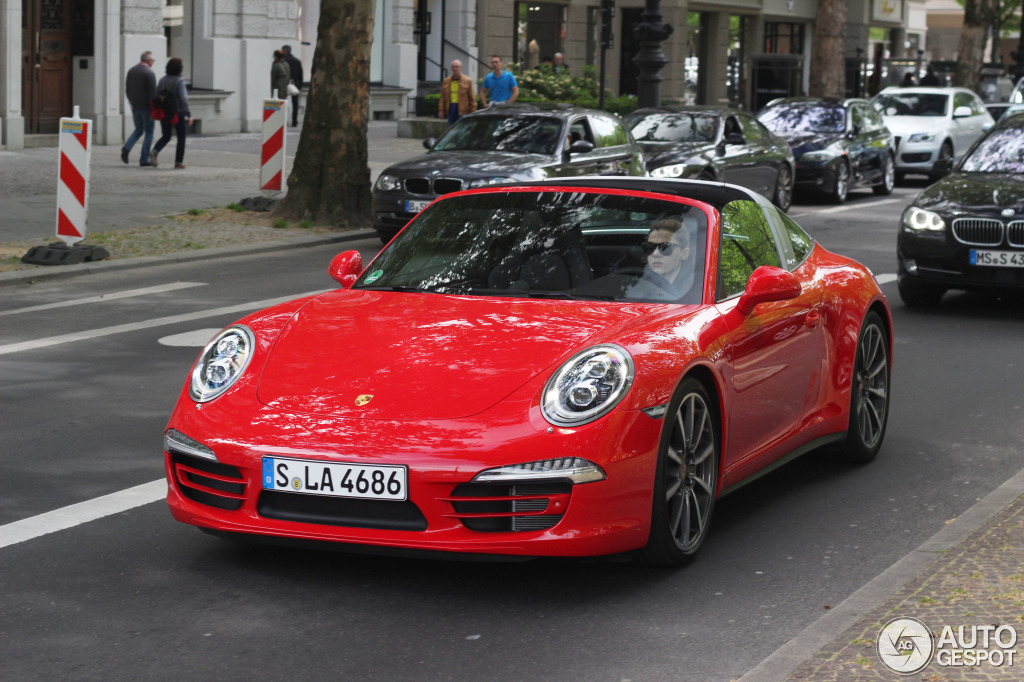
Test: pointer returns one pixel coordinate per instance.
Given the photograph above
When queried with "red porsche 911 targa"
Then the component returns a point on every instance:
(566, 368)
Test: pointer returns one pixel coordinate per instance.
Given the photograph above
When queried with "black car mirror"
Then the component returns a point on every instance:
(581, 147)
(942, 168)
(429, 142)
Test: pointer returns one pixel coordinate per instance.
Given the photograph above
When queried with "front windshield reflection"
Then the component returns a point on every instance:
(675, 127)
(798, 118)
(911, 104)
(523, 134)
(553, 244)
(1000, 152)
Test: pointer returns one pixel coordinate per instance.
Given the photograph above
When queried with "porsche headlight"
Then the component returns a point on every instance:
(388, 183)
(221, 363)
(587, 386)
(676, 170)
(921, 137)
(919, 220)
(487, 182)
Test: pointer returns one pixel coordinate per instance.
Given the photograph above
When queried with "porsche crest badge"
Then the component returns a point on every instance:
(363, 399)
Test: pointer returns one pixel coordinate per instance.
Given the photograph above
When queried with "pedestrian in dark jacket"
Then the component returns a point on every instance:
(280, 76)
(175, 84)
(295, 66)
(140, 89)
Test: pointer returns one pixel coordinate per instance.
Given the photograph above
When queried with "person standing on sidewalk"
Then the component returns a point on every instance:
(140, 89)
(280, 76)
(457, 98)
(500, 86)
(174, 84)
(295, 65)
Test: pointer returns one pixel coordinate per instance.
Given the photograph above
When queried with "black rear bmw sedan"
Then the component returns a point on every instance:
(967, 230)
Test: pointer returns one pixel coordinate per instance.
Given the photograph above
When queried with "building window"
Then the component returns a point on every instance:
(540, 32)
(782, 38)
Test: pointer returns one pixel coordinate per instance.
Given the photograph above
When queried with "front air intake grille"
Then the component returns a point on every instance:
(1015, 233)
(978, 231)
(447, 185)
(210, 483)
(490, 508)
(340, 511)
(417, 185)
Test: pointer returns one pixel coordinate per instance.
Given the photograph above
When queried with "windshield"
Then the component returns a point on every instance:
(552, 244)
(524, 134)
(1000, 152)
(911, 104)
(675, 127)
(804, 118)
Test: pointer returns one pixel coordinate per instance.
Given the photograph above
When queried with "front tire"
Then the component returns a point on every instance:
(841, 186)
(869, 392)
(783, 196)
(945, 152)
(686, 478)
(888, 178)
(918, 295)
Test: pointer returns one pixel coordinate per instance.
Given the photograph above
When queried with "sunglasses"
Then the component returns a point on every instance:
(666, 248)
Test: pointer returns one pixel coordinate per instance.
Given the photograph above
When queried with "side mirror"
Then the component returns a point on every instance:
(942, 167)
(768, 283)
(429, 143)
(581, 147)
(345, 268)
(962, 112)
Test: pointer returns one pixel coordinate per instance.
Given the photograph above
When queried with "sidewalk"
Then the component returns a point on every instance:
(970, 573)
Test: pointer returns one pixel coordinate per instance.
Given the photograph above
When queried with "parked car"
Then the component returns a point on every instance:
(931, 123)
(500, 145)
(967, 230)
(1010, 110)
(838, 144)
(715, 143)
(1017, 95)
(571, 367)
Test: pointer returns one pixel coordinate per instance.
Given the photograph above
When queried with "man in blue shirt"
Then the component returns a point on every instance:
(500, 86)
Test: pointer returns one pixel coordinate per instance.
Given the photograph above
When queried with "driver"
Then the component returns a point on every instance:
(667, 250)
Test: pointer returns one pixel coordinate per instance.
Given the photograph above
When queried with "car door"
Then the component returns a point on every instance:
(858, 144)
(578, 163)
(877, 139)
(615, 154)
(763, 155)
(967, 128)
(774, 354)
(733, 161)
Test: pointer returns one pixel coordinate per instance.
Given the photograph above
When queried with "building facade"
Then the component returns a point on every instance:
(57, 54)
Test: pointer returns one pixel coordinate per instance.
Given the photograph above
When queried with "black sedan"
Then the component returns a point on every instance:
(967, 230)
(838, 144)
(715, 143)
(501, 145)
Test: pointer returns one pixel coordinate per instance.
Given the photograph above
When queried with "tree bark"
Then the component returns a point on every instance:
(330, 178)
(828, 73)
(978, 17)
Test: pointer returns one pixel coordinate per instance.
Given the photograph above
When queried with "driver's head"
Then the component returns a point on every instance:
(667, 247)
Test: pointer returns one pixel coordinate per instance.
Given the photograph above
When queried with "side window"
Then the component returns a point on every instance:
(753, 130)
(579, 130)
(978, 106)
(800, 241)
(857, 118)
(960, 99)
(747, 243)
(608, 132)
(876, 121)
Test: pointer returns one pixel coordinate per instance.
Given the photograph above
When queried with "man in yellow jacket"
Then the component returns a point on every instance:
(457, 96)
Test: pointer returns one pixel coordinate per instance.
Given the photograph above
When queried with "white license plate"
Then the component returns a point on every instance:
(415, 206)
(999, 259)
(335, 479)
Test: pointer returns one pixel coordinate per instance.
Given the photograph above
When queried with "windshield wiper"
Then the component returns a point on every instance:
(387, 287)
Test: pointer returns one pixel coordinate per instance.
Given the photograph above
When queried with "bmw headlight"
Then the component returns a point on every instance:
(921, 137)
(487, 182)
(388, 183)
(919, 220)
(587, 386)
(820, 156)
(676, 170)
(221, 363)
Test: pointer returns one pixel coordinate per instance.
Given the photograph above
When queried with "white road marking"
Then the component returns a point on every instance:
(147, 324)
(858, 206)
(197, 338)
(83, 512)
(886, 278)
(107, 297)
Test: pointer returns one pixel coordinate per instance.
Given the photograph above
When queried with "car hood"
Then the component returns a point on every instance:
(975, 193)
(658, 154)
(905, 126)
(470, 164)
(423, 356)
(803, 142)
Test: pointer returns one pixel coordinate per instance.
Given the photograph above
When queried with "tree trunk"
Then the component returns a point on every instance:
(330, 179)
(828, 73)
(978, 16)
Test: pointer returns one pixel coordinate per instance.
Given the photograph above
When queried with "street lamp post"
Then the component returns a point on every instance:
(651, 32)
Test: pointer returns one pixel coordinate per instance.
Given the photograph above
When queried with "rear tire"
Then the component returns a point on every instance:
(686, 478)
(869, 392)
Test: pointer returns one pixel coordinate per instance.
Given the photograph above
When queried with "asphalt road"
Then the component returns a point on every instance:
(86, 389)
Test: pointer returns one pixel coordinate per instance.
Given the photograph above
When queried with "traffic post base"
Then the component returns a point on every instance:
(62, 254)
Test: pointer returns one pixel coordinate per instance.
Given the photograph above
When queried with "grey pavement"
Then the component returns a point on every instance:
(971, 572)
(219, 170)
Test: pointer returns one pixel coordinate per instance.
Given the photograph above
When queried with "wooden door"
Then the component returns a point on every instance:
(46, 63)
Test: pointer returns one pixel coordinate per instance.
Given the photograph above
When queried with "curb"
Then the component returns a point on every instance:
(65, 271)
(925, 559)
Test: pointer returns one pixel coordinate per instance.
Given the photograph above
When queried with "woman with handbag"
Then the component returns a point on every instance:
(280, 76)
(174, 113)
